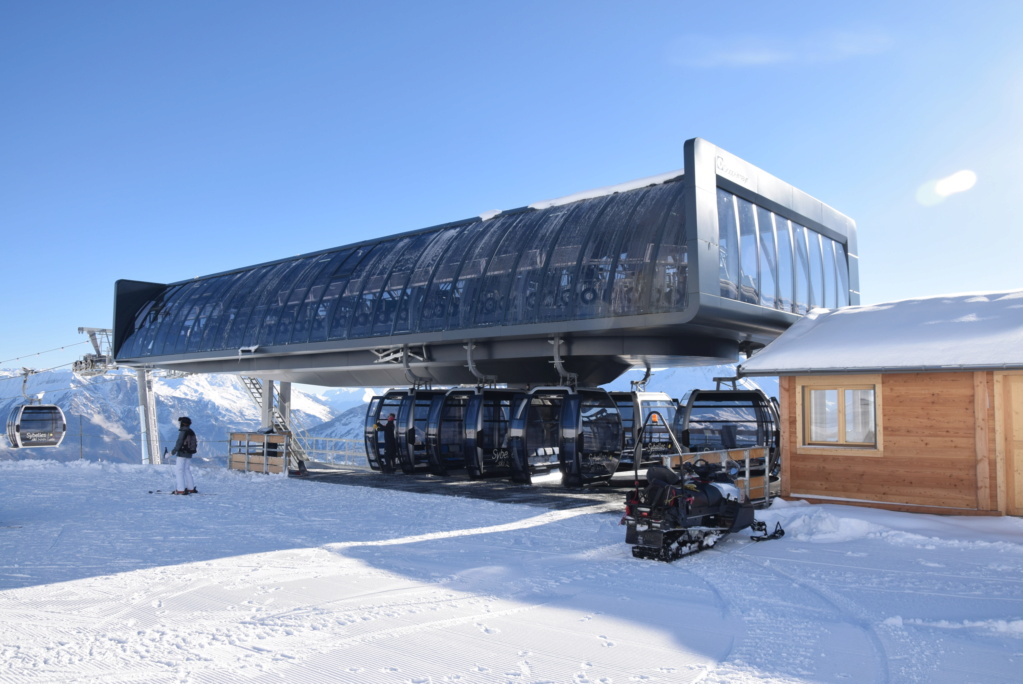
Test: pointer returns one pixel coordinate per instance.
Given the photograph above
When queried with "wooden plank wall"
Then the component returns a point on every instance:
(1008, 388)
(937, 442)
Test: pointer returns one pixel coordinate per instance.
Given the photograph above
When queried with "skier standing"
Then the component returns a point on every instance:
(183, 449)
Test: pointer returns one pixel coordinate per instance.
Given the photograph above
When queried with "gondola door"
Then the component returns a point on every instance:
(657, 411)
(591, 437)
(536, 432)
(637, 411)
(413, 421)
(487, 424)
(445, 436)
(380, 407)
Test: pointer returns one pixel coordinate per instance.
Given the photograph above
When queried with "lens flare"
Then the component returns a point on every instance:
(960, 181)
(935, 191)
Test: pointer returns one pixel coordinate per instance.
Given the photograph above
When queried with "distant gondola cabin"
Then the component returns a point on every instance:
(36, 425)
(915, 405)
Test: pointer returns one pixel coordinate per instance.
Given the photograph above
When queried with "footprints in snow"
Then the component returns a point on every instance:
(487, 630)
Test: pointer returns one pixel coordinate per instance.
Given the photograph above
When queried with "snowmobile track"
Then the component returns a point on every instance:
(761, 621)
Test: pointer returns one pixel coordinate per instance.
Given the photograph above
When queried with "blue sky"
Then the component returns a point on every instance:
(163, 140)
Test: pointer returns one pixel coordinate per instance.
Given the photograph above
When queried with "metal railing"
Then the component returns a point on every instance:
(336, 450)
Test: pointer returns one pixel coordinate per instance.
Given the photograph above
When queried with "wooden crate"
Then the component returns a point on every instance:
(258, 452)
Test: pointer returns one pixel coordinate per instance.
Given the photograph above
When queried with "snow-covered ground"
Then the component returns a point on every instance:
(269, 579)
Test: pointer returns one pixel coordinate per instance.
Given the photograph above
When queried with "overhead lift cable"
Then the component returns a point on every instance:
(19, 358)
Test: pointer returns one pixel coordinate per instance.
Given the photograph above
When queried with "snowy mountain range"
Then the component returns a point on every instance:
(103, 416)
(102, 412)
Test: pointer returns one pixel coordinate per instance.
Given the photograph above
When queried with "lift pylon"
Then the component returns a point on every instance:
(103, 358)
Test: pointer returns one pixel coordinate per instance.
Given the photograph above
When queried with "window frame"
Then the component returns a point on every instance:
(839, 383)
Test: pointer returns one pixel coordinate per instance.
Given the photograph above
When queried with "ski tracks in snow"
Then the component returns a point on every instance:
(277, 581)
(848, 623)
(837, 643)
(342, 613)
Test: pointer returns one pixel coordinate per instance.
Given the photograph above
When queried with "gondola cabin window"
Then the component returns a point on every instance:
(839, 412)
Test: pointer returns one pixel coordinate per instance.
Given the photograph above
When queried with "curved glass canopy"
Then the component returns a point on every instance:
(617, 255)
(688, 272)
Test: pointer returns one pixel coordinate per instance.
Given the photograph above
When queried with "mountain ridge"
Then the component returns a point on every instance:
(102, 411)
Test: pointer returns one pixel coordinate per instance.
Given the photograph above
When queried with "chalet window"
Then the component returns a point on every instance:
(839, 414)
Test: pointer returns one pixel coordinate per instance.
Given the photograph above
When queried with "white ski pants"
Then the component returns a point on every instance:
(183, 473)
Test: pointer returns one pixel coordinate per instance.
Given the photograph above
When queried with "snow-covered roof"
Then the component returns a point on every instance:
(949, 332)
(596, 192)
(608, 190)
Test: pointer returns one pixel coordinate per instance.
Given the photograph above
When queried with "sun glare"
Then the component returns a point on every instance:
(933, 192)
(960, 181)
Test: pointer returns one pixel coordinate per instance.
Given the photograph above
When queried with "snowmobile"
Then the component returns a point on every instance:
(681, 512)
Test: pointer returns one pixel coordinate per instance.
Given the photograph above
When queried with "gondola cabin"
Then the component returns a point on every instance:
(535, 432)
(591, 437)
(445, 431)
(713, 420)
(376, 414)
(646, 416)
(36, 425)
(488, 419)
(413, 422)
(577, 431)
(737, 425)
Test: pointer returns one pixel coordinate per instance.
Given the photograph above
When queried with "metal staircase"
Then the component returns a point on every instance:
(296, 450)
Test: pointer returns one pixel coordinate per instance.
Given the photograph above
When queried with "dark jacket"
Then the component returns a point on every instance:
(179, 449)
(390, 441)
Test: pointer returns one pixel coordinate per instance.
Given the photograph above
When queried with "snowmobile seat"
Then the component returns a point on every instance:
(660, 482)
(662, 474)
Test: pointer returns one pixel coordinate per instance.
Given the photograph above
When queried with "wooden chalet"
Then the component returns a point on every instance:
(914, 405)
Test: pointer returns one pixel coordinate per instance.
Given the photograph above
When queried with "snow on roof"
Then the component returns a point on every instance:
(609, 190)
(948, 332)
(596, 192)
